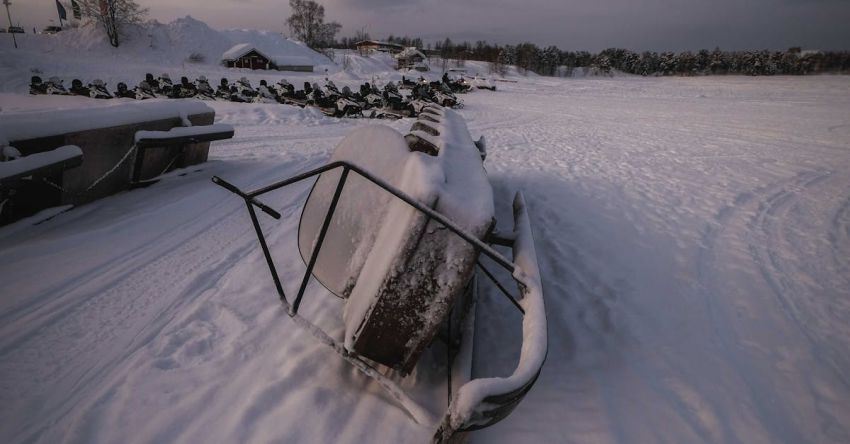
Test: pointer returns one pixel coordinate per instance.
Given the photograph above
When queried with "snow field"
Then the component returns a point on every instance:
(694, 243)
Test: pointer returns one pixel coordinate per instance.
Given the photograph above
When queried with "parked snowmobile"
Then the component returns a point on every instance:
(183, 90)
(203, 89)
(392, 104)
(459, 85)
(334, 104)
(163, 85)
(443, 96)
(78, 89)
(97, 90)
(37, 86)
(266, 94)
(144, 91)
(223, 90)
(407, 83)
(123, 92)
(414, 283)
(236, 95)
(55, 86)
(245, 89)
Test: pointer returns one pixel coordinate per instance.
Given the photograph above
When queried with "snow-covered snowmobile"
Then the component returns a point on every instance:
(236, 95)
(78, 89)
(265, 94)
(163, 86)
(97, 90)
(413, 219)
(245, 89)
(37, 86)
(334, 104)
(392, 105)
(55, 86)
(144, 91)
(203, 89)
(183, 90)
(223, 90)
(457, 86)
(121, 91)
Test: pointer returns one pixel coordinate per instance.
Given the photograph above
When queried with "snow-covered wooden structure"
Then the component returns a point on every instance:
(121, 145)
(365, 46)
(246, 55)
(411, 58)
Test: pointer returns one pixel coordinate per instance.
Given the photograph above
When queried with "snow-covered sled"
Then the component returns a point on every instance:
(397, 227)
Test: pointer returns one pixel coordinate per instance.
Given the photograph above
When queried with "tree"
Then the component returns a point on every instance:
(307, 23)
(113, 15)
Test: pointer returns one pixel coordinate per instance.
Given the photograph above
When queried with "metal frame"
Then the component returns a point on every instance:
(251, 201)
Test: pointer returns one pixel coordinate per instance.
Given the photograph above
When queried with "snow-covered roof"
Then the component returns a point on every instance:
(410, 52)
(242, 49)
(378, 43)
(43, 123)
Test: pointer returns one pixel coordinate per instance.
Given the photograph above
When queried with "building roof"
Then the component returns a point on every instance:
(409, 53)
(379, 43)
(243, 49)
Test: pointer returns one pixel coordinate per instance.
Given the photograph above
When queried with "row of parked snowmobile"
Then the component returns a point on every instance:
(369, 100)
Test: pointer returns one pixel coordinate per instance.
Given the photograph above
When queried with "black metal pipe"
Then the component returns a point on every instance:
(484, 248)
(324, 231)
(266, 252)
(233, 189)
(499, 285)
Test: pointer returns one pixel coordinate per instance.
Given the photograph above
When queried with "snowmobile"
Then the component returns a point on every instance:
(144, 91)
(123, 92)
(223, 90)
(265, 94)
(37, 86)
(334, 104)
(203, 88)
(236, 95)
(458, 86)
(245, 89)
(414, 253)
(283, 90)
(55, 86)
(163, 85)
(443, 96)
(183, 90)
(407, 83)
(97, 90)
(78, 89)
(392, 105)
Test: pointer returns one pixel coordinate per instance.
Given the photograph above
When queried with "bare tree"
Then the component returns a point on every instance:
(307, 23)
(113, 15)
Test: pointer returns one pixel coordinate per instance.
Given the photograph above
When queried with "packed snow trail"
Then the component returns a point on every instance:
(694, 243)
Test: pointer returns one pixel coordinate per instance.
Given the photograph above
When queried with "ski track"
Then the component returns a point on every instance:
(693, 238)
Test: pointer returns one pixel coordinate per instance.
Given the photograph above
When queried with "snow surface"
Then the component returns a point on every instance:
(693, 237)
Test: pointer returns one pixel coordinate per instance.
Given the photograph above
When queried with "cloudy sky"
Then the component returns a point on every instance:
(570, 24)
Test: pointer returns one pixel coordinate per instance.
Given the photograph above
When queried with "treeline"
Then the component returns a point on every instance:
(552, 61)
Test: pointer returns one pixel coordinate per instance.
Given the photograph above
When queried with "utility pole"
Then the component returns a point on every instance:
(9, 14)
